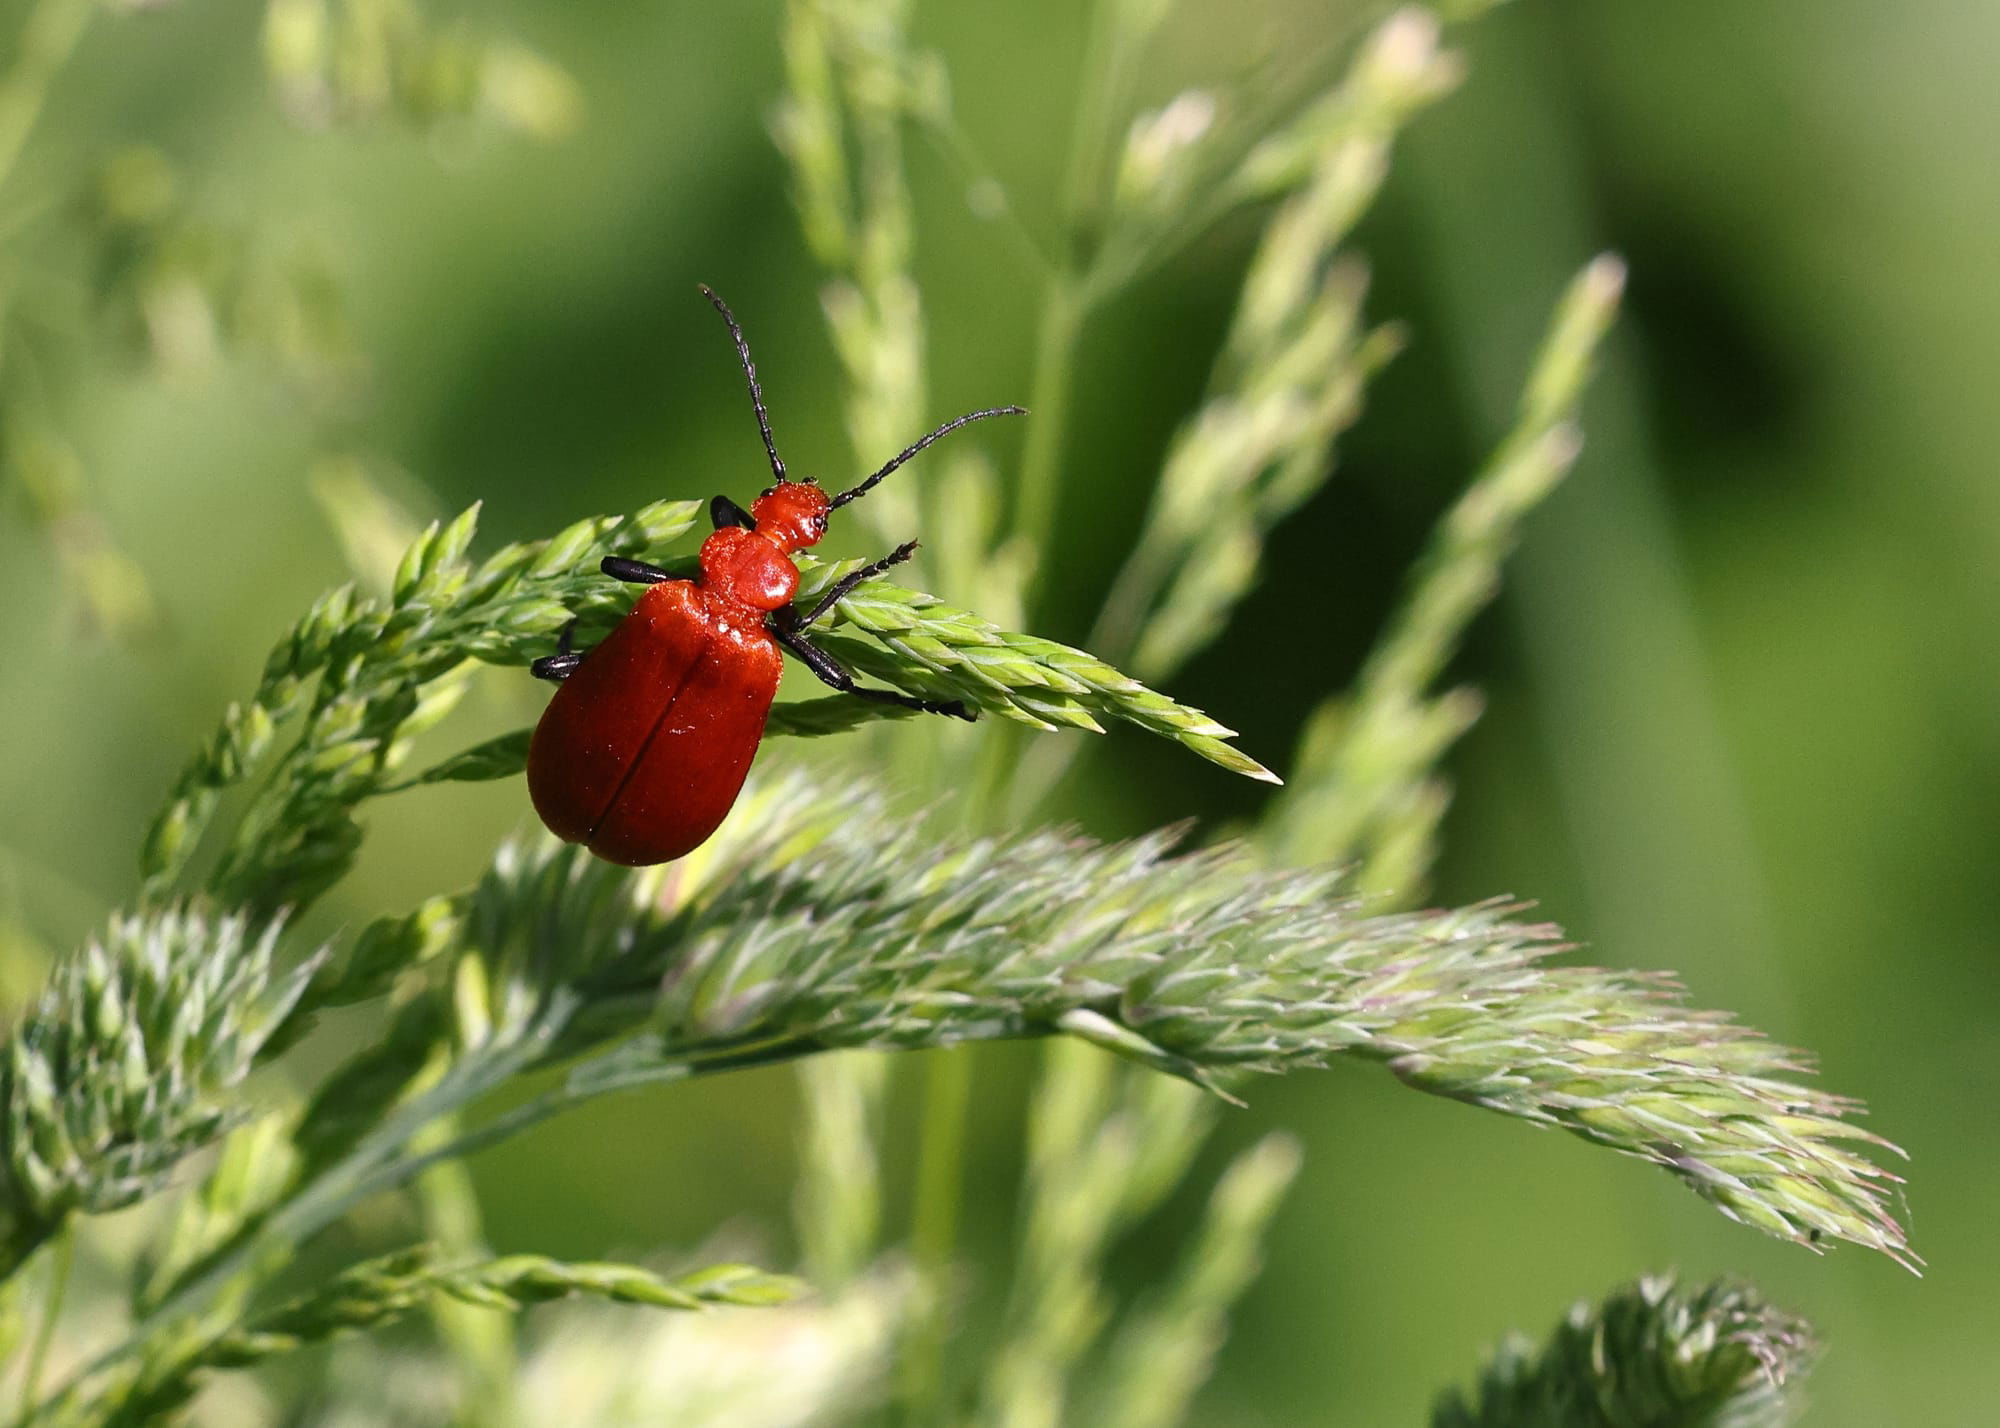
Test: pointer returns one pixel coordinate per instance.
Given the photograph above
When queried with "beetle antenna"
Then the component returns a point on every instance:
(750, 375)
(907, 452)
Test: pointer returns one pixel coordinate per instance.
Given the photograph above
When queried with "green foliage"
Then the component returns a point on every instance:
(372, 60)
(124, 1065)
(384, 670)
(182, 286)
(1299, 355)
(821, 919)
(1366, 785)
(1651, 1353)
(716, 1370)
(379, 1291)
(1103, 1152)
(1166, 1351)
(1201, 964)
(792, 940)
(927, 647)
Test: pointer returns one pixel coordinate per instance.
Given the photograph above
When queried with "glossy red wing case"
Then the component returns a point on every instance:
(645, 746)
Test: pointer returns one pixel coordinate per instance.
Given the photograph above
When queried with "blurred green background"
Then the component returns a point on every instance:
(1744, 692)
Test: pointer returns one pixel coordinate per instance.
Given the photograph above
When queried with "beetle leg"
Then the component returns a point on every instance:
(724, 512)
(846, 583)
(633, 572)
(555, 668)
(829, 670)
(560, 665)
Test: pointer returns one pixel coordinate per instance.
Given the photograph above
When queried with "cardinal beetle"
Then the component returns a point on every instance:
(645, 745)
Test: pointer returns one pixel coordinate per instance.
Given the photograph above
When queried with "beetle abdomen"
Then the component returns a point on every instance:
(644, 747)
(602, 715)
(686, 778)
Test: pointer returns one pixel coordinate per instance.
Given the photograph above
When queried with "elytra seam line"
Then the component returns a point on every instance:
(647, 743)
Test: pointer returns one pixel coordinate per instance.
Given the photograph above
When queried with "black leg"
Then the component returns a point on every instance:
(846, 583)
(560, 665)
(828, 669)
(724, 512)
(555, 668)
(633, 572)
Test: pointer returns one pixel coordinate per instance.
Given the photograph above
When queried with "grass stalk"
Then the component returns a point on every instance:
(948, 1088)
(1063, 310)
(479, 1337)
(934, 1228)
(62, 1255)
(837, 1206)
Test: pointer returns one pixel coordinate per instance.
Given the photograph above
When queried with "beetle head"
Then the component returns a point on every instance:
(792, 513)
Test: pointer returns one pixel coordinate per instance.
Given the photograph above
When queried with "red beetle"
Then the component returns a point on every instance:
(646, 744)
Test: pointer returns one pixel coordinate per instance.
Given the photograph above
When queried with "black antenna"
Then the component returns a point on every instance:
(907, 452)
(750, 374)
